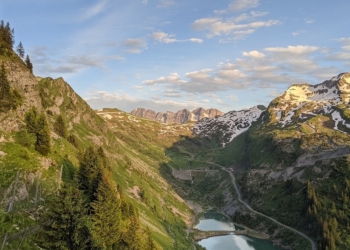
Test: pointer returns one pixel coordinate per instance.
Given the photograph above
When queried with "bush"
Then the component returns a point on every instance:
(24, 138)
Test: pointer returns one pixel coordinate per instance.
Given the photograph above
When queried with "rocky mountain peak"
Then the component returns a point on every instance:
(336, 89)
(302, 100)
(230, 125)
(180, 117)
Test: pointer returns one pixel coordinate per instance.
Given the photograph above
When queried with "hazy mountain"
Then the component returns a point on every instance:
(180, 117)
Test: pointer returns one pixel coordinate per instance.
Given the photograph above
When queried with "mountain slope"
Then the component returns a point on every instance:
(229, 125)
(40, 176)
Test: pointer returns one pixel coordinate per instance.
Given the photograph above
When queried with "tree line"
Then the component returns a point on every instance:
(7, 41)
(91, 212)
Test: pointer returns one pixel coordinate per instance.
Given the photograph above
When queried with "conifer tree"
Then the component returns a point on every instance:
(60, 127)
(31, 119)
(9, 98)
(106, 217)
(29, 64)
(73, 140)
(20, 50)
(6, 38)
(64, 225)
(43, 144)
(89, 168)
(5, 90)
(149, 243)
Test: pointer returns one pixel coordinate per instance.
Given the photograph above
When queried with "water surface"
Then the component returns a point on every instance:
(214, 221)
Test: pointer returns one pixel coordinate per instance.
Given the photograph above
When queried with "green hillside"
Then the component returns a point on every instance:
(43, 141)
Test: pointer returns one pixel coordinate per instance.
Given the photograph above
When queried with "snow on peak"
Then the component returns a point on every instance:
(311, 99)
(230, 124)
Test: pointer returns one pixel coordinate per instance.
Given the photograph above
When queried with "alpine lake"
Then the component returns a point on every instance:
(215, 221)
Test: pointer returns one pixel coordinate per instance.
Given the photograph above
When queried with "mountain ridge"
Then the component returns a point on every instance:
(180, 117)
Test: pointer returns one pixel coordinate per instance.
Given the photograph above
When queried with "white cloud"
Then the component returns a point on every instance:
(46, 64)
(174, 78)
(195, 40)
(297, 33)
(276, 66)
(168, 38)
(240, 5)
(347, 47)
(134, 45)
(218, 27)
(220, 12)
(93, 10)
(345, 40)
(309, 21)
(253, 54)
(296, 50)
(205, 80)
(145, 2)
(165, 3)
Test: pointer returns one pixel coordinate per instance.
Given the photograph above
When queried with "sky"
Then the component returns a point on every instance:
(168, 55)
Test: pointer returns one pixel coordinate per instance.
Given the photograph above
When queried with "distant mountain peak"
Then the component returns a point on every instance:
(180, 117)
(230, 125)
(337, 89)
(302, 100)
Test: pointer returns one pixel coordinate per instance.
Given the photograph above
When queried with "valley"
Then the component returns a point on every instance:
(72, 176)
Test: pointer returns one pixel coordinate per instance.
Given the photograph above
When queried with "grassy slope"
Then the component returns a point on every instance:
(134, 164)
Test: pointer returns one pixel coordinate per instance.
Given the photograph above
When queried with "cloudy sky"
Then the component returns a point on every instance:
(175, 54)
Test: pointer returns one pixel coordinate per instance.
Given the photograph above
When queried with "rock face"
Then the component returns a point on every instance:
(180, 117)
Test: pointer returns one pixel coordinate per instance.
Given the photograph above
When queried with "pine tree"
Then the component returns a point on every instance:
(72, 139)
(89, 169)
(6, 38)
(20, 50)
(29, 64)
(60, 127)
(5, 91)
(106, 218)
(149, 243)
(31, 119)
(43, 144)
(64, 225)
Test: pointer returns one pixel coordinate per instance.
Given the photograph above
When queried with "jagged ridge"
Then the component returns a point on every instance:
(180, 117)
(231, 124)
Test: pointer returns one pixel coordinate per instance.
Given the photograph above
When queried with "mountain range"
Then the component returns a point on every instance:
(180, 117)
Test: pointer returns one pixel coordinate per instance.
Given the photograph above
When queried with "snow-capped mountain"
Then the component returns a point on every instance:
(230, 124)
(303, 101)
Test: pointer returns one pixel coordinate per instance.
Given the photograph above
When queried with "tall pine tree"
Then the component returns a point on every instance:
(9, 98)
(29, 64)
(106, 217)
(20, 50)
(64, 225)
(43, 141)
(5, 90)
(60, 127)
(89, 168)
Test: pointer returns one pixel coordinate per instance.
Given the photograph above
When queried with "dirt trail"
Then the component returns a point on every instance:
(313, 244)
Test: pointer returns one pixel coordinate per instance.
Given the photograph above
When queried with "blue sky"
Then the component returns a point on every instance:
(175, 54)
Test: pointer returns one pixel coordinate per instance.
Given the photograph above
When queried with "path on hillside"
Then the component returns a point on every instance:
(313, 244)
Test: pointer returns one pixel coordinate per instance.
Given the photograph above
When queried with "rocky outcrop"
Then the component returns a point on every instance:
(180, 117)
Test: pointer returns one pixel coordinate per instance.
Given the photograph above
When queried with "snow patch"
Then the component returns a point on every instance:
(231, 124)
